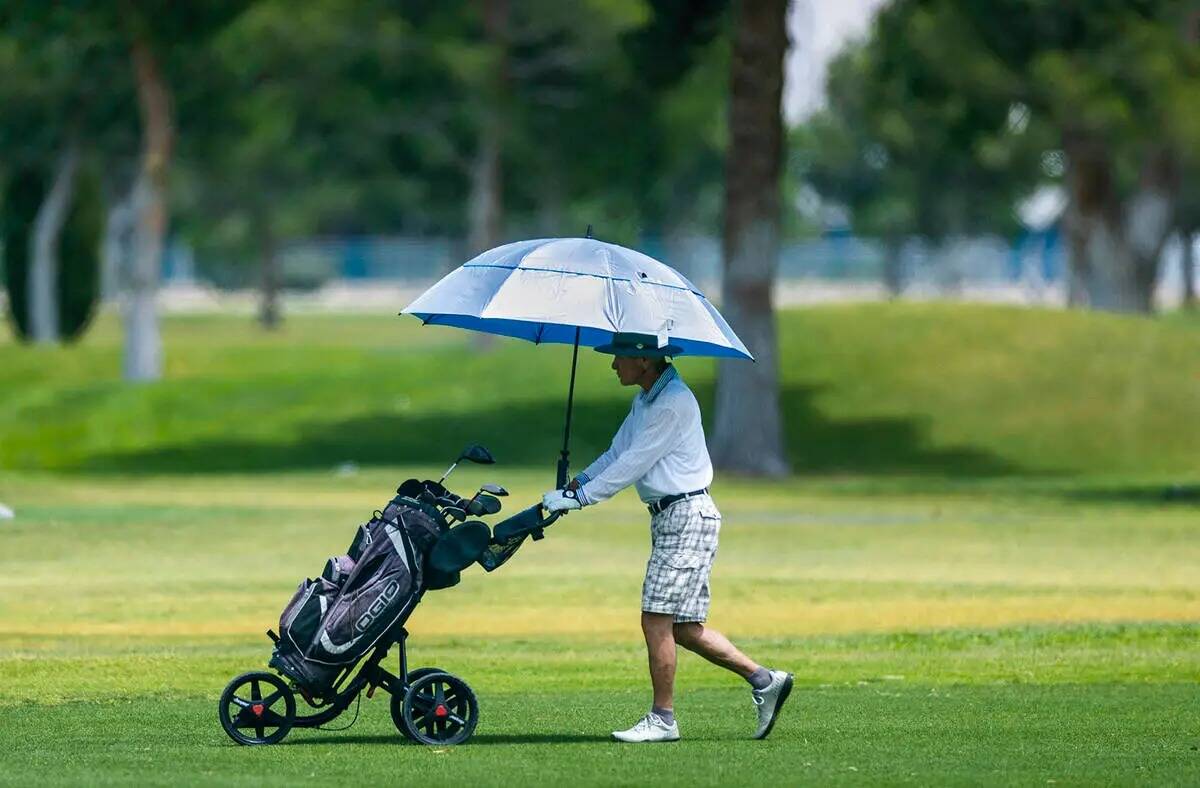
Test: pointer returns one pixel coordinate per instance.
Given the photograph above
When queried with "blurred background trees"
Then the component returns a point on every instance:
(238, 130)
(939, 122)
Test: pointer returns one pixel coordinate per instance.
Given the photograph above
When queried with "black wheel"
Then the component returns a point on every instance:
(398, 699)
(439, 709)
(413, 675)
(257, 708)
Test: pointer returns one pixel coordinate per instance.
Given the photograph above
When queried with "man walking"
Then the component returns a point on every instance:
(660, 448)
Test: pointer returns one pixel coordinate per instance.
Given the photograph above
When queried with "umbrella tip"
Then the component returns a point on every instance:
(589, 231)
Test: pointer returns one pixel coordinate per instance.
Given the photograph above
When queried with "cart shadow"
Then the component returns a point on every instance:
(481, 739)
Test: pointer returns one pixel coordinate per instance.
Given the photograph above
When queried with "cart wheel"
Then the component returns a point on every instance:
(246, 713)
(398, 699)
(413, 675)
(438, 709)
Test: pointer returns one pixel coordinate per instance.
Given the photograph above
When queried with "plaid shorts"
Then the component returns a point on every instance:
(684, 543)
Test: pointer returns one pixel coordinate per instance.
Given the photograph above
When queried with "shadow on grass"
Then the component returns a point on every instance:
(481, 739)
(529, 433)
(1147, 494)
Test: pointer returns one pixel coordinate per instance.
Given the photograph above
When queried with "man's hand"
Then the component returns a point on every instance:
(573, 485)
(560, 501)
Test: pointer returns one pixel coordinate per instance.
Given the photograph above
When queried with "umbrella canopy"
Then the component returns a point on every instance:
(577, 290)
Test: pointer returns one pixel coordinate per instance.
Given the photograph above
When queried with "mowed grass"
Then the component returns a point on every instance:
(952, 636)
(986, 569)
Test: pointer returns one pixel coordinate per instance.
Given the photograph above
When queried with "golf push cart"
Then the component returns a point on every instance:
(338, 628)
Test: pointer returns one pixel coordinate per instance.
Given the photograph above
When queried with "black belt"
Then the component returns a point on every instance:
(668, 500)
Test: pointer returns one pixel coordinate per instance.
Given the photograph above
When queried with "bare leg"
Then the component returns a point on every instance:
(713, 646)
(660, 645)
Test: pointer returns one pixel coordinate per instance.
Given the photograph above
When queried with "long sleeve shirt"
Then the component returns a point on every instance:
(660, 447)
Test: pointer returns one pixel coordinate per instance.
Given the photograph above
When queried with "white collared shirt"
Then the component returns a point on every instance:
(660, 447)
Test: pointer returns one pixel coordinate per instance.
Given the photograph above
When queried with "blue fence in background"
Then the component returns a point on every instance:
(834, 257)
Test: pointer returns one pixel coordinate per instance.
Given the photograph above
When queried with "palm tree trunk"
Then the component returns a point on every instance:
(748, 434)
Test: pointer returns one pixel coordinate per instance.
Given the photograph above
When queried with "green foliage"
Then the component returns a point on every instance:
(79, 250)
(23, 194)
(332, 119)
(948, 77)
(907, 163)
(79, 256)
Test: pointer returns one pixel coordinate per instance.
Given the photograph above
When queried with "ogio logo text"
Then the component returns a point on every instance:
(378, 606)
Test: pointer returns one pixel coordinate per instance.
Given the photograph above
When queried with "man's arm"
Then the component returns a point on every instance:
(598, 466)
(657, 437)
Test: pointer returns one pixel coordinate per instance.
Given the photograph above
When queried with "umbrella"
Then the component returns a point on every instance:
(577, 291)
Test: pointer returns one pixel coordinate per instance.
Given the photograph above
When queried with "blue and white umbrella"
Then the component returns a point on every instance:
(577, 291)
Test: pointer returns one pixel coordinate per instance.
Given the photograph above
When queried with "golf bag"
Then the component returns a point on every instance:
(332, 620)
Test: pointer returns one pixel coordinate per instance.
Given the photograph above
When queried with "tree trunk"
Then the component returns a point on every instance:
(1188, 266)
(748, 434)
(43, 288)
(268, 308)
(143, 345)
(486, 199)
(487, 188)
(893, 268)
(1116, 246)
(550, 199)
(114, 261)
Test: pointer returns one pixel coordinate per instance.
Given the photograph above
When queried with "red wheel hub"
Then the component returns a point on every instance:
(257, 708)
(441, 711)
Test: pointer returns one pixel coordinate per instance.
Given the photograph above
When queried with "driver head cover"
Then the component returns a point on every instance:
(639, 345)
(460, 547)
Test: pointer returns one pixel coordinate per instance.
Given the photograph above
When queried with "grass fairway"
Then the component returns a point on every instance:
(989, 573)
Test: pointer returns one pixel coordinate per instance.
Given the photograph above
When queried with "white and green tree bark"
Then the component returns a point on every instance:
(143, 343)
(43, 288)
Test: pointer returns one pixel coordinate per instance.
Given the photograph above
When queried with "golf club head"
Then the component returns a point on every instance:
(477, 454)
(484, 504)
(454, 513)
(494, 489)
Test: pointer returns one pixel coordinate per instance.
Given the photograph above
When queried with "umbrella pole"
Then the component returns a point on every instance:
(564, 460)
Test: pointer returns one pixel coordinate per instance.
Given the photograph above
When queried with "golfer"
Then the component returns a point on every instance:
(660, 448)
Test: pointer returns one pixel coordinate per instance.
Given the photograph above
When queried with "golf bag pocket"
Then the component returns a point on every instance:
(363, 537)
(302, 617)
(337, 569)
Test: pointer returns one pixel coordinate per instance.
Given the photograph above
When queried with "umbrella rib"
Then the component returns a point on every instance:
(582, 273)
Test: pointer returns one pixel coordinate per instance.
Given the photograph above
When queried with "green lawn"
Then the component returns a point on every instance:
(884, 390)
(987, 569)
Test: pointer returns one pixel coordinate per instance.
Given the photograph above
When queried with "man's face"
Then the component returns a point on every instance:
(629, 370)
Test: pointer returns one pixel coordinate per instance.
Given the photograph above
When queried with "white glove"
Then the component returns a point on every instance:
(560, 501)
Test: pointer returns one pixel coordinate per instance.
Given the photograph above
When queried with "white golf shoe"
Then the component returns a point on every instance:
(649, 729)
(770, 699)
